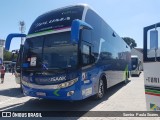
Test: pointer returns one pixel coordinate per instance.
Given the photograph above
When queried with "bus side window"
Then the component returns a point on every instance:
(86, 50)
(86, 35)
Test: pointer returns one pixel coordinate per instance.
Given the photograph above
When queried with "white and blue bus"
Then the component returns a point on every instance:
(151, 58)
(71, 53)
(136, 65)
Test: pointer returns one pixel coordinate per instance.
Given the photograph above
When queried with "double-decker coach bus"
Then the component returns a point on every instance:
(71, 53)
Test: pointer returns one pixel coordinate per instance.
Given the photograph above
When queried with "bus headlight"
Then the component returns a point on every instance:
(63, 85)
(68, 83)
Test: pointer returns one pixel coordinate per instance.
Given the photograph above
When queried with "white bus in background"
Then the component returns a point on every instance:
(136, 65)
(151, 58)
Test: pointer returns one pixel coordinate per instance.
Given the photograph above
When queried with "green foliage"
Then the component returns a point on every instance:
(131, 42)
(8, 56)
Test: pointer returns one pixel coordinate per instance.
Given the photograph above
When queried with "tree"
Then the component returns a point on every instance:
(8, 56)
(131, 42)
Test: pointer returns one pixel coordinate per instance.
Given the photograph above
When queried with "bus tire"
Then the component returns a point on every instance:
(101, 91)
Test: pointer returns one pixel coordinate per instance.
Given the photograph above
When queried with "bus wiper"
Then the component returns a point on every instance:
(44, 66)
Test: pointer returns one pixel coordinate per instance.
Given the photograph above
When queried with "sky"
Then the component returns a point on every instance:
(126, 17)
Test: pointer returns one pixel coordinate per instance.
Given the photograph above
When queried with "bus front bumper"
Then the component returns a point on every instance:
(49, 92)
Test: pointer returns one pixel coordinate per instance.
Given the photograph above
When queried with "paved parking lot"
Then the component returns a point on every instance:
(122, 97)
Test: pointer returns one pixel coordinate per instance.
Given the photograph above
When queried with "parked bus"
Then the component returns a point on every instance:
(136, 65)
(151, 67)
(71, 53)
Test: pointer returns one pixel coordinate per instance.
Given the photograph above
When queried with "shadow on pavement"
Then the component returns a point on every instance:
(53, 105)
(12, 92)
(134, 75)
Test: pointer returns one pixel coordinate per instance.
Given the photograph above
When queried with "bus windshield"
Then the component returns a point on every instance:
(50, 52)
(134, 63)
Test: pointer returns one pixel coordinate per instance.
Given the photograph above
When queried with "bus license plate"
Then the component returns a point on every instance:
(41, 94)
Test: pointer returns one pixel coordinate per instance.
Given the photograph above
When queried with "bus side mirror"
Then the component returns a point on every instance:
(154, 39)
(75, 28)
(10, 37)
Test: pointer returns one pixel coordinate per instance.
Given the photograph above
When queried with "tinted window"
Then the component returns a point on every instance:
(62, 56)
(33, 49)
(134, 62)
(56, 19)
(52, 51)
(86, 35)
(57, 39)
(85, 54)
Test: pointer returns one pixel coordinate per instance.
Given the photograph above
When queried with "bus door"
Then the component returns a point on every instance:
(19, 58)
(88, 69)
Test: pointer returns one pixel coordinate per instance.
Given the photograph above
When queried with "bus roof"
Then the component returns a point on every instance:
(69, 6)
(57, 19)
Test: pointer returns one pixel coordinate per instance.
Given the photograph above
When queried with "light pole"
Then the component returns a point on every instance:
(22, 29)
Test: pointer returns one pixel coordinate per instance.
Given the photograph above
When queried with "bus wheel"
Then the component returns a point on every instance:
(100, 93)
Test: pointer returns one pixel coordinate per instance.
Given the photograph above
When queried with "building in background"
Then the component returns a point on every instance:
(1, 50)
(139, 53)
